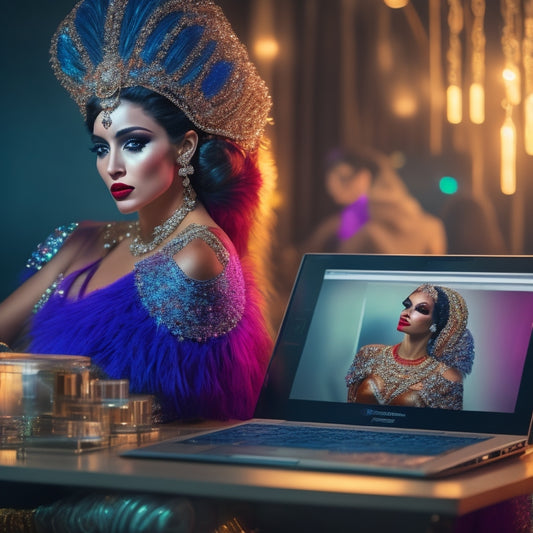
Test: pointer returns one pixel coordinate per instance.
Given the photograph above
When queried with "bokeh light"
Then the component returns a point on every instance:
(266, 48)
(448, 185)
(396, 4)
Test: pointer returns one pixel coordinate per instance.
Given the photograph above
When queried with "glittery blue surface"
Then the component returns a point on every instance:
(49, 247)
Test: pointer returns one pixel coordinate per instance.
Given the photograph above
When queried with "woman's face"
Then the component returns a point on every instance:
(135, 157)
(417, 316)
(345, 185)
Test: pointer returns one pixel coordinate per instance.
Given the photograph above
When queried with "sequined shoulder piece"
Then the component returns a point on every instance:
(49, 247)
(365, 359)
(189, 308)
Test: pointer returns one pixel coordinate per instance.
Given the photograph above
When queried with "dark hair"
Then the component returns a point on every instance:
(358, 159)
(227, 179)
(441, 311)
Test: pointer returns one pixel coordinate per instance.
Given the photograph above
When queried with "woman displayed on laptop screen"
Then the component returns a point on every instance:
(427, 368)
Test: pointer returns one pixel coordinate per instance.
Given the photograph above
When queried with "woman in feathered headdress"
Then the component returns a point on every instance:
(176, 113)
(427, 368)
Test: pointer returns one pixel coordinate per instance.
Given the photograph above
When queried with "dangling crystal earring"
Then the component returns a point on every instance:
(433, 328)
(186, 170)
(160, 233)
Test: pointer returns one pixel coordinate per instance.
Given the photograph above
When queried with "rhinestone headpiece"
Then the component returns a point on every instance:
(452, 325)
(184, 50)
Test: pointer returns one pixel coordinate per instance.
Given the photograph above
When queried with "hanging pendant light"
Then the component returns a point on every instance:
(508, 155)
(527, 61)
(454, 93)
(477, 89)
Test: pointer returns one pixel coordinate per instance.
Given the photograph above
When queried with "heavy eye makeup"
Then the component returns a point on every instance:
(136, 143)
(132, 143)
(422, 308)
(99, 148)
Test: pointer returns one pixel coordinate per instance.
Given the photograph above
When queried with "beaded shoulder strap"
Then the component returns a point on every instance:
(49, 247)
(197, 231)
(192, 309)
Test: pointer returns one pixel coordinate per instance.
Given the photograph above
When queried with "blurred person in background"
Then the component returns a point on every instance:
(377, 214)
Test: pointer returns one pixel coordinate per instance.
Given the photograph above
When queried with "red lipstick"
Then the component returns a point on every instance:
(402, 323)
(121, 190)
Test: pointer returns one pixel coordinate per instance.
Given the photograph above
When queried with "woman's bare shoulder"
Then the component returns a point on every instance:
(84, 240)
(198, 259)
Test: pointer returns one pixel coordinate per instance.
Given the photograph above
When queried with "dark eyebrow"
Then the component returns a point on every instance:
(121, 133)
(125, 131)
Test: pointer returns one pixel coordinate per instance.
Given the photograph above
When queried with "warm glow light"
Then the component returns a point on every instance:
(477, 103)
(404, 103)
(528, 124)
(454, 109)
(511, 77)
(508, 157)
(266, 48)
(11, 391)
(396, 4)
(508, 74)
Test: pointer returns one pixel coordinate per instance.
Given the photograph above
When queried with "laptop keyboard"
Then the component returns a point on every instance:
(334, 439)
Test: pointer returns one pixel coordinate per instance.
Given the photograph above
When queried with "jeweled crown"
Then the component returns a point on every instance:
(184, 50)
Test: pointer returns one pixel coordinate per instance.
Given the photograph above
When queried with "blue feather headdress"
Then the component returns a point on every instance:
(184, 50)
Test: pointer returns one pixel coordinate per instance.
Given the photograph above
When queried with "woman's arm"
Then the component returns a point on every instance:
(17, 308)
(444, 389)
(360, 368)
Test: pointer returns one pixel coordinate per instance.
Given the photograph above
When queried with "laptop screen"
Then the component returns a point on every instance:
(338, 357)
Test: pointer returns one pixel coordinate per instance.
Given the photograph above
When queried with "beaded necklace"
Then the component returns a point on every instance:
(399, 376)
(407, 362)
(114, 232)
(160, 233)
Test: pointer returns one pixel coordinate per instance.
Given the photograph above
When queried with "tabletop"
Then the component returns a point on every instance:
(106, 469)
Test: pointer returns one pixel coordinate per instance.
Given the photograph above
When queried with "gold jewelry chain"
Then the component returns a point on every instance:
(139, 247)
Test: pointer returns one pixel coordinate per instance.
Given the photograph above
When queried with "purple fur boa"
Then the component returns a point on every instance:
(216, 379)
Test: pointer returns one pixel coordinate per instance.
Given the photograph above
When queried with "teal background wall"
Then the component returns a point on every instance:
(48, 175)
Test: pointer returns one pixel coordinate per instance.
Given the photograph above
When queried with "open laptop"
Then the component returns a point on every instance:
(340, 303)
